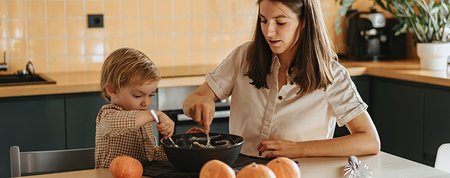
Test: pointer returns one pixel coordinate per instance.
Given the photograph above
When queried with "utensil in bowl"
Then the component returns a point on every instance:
(155, 116)
(173, 143)
(190, 157)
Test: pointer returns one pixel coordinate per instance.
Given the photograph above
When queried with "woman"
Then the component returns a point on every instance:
(288, 90)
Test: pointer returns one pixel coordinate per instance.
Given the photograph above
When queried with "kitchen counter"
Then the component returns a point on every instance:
(408, 70)
(382, 165)
(80, 82)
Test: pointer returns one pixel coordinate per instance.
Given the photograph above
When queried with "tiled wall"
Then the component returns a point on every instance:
(54, 34)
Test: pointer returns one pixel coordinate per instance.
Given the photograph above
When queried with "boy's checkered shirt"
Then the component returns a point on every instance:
(117, 135)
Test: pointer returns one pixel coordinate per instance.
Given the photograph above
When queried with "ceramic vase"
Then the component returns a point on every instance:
(433, 56)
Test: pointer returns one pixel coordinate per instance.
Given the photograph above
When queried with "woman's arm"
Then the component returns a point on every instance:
(200, 106)
(363, 140)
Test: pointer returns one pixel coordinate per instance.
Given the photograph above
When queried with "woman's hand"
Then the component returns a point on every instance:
(272, 148)
(200, 106)
(201, 111)
(166, 125)
(363, 140)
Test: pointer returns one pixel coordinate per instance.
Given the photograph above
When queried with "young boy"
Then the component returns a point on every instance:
(129, 79)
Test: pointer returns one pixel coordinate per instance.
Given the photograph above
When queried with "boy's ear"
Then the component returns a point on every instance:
(111, 90)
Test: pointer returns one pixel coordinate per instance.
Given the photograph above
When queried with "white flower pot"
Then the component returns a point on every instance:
(433, 56)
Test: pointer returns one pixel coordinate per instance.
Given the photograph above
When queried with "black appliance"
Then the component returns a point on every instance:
(370, 37)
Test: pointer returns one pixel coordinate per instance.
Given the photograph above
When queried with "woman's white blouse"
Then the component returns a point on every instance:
(258, 114)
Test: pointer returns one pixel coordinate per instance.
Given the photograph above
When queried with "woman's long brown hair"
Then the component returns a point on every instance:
(311, 68)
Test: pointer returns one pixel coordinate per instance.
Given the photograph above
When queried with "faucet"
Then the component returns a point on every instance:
(4, 65)
(29, 69)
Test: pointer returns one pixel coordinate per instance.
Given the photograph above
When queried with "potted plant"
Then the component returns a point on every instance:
(428, 21)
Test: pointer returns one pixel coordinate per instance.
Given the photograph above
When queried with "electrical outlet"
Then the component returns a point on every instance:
(95, 20)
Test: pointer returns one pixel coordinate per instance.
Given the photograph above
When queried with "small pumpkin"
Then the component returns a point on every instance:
(216, 169)
(126, 167)
(284, 168)
(254, 170)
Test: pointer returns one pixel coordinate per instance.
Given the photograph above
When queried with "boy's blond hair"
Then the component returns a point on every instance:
(127, 66)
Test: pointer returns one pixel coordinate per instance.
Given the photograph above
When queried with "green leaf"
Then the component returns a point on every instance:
(347, 3)
(337, 26)
(342, 12)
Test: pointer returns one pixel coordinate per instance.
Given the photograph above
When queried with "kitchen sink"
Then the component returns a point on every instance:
(15, 79)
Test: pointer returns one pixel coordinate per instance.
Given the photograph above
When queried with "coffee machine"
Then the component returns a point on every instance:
(370, 37)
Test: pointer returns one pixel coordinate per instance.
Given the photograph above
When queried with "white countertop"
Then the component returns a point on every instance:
(383, 165)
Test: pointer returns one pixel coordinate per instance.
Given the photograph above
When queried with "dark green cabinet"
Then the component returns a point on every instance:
(397, 110)
(47, 123)
(81, 112)
(362, 84)
(412, 118)
(33, 123)
(436, 121)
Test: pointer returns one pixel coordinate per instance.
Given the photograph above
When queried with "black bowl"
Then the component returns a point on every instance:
(188, 156)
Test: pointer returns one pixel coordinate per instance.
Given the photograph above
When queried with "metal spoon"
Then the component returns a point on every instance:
(155, 116)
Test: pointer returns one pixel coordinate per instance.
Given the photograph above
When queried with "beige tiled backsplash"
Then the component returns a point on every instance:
(54, 33)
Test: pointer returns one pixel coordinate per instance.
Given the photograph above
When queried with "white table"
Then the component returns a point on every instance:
(383, 165)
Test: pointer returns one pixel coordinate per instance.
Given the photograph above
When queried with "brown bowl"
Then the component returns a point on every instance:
(189, 156)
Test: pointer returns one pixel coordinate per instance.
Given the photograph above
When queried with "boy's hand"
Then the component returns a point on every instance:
(195, 130)
(166, 125)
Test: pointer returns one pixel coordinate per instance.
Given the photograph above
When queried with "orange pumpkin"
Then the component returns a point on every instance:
(216, 169)
(284, 168)
(126, 167)
(254, 170)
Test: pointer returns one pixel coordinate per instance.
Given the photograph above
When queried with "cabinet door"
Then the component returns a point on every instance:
(81, 112)
(362, 84)
(32, 123)
(397, 110)
(436, 121)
